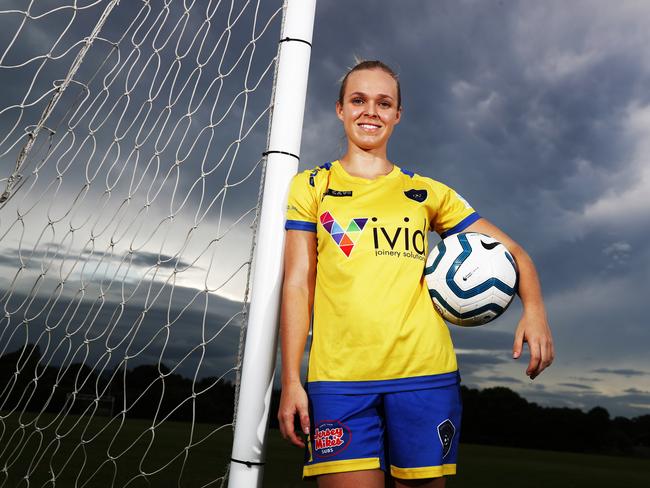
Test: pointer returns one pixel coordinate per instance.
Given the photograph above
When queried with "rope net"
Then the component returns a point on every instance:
(131, 136)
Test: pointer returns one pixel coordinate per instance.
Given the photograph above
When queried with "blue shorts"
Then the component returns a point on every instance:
(414, 432)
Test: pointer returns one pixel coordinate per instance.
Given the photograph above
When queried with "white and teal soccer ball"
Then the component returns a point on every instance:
(472, 278)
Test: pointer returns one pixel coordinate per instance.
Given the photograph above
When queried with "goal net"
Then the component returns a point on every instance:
(131, 140)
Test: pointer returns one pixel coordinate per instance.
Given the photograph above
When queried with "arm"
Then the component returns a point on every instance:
(295, 313)
(533, 327)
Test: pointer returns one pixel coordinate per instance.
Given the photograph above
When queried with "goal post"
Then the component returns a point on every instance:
(252, 412)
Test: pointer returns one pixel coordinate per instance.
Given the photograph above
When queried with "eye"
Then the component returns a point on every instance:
(357, 101)
(385, 104)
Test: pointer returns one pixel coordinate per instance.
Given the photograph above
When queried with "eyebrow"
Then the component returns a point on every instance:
(379, 95)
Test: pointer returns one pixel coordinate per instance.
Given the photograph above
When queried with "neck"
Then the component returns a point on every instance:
(366, 164)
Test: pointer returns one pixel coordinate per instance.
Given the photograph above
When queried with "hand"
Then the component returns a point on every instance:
(533, 329)
(293, 401)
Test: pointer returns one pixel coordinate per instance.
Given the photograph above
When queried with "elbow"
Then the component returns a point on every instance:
(518, 252)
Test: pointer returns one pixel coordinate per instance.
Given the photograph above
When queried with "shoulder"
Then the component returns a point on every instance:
(437, 194)
(313, 177)
(435, 186)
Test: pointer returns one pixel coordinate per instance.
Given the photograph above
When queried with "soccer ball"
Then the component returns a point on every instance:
(472, 278)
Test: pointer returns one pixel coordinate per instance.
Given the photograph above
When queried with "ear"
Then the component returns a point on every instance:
(398, 116)
(339, 110)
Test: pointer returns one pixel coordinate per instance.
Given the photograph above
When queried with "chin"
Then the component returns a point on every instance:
(367, 145)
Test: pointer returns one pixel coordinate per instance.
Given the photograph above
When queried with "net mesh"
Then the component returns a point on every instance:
(131, 136)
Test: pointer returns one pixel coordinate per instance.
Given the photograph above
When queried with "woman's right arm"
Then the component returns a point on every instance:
(295, 314)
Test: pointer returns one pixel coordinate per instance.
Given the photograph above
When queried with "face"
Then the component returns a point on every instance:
(369, 111)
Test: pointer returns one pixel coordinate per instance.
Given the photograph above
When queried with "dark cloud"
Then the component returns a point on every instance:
(149, 259)
(621, 372)
(584, 379)
(206, 97)
(56, 253)
(636, 391)
(501, 379)
(577, 385)
(197, 335)
(468, 358)
(481, 338)
(470, 364)
(629, 404)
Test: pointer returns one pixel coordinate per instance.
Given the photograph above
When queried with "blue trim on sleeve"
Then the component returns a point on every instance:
(462, 225)
(407, 172)
(325, 166)
(300, 225)
(384, 386)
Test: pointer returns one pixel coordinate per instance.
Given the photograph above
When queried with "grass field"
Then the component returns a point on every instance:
(89, 464)
(498, 467)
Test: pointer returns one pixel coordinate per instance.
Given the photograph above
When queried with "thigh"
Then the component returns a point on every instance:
(426, 483)
(423, 428)
(346, 434)
(373, 478)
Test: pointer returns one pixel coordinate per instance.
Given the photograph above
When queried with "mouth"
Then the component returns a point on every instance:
(368, 127)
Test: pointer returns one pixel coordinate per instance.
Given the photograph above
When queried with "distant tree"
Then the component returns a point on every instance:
(496, 416)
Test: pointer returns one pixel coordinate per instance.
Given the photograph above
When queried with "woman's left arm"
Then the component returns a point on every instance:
(533, 327)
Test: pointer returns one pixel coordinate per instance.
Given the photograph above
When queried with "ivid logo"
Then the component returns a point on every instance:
(410, 238)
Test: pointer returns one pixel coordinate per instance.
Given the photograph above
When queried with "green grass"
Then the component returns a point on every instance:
(478, 466)
(498, 467)
(489, 466)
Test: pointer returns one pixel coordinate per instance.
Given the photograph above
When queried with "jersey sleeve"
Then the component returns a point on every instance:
(454, 214)
(301, 204)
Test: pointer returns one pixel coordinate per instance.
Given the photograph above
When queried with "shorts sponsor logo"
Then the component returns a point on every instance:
(446, 432)
(331, 438)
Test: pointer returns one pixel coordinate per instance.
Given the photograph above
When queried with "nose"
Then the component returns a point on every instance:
(371, 110)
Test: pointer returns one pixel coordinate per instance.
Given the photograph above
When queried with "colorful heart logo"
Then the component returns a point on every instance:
(344, 238)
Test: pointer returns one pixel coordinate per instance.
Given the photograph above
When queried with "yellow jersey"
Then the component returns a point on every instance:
(374, 326)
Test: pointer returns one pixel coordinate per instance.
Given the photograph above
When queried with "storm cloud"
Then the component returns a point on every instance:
(537, 113)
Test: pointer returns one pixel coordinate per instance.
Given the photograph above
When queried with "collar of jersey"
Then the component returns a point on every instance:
(338, 167)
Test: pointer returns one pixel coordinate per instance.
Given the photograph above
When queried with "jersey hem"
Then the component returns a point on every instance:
(462, 225)
(300, 225)
(422, 472)
(384, 386)
(342, 466)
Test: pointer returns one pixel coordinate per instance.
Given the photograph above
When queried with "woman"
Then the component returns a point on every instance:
(383, 384)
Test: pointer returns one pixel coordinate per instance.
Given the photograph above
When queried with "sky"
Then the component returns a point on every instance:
(538, 113)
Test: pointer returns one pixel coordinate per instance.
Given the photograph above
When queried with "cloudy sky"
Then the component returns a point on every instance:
(538, 113)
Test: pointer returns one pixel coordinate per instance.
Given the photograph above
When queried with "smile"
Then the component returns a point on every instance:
(369, 127)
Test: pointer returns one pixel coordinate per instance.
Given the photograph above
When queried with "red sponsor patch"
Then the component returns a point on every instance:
(331, 437)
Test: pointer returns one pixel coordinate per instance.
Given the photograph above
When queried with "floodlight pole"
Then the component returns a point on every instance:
(248, 451)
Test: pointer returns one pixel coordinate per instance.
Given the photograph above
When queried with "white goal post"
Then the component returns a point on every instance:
(252, 415)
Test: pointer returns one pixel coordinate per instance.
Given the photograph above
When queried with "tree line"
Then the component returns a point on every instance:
(494, 416)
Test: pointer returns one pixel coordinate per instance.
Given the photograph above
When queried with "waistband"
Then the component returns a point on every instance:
(384, 386)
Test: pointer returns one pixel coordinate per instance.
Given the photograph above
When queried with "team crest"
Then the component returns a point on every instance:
(416, 195)
(347, 237)
(446, 432)
(331, 438)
